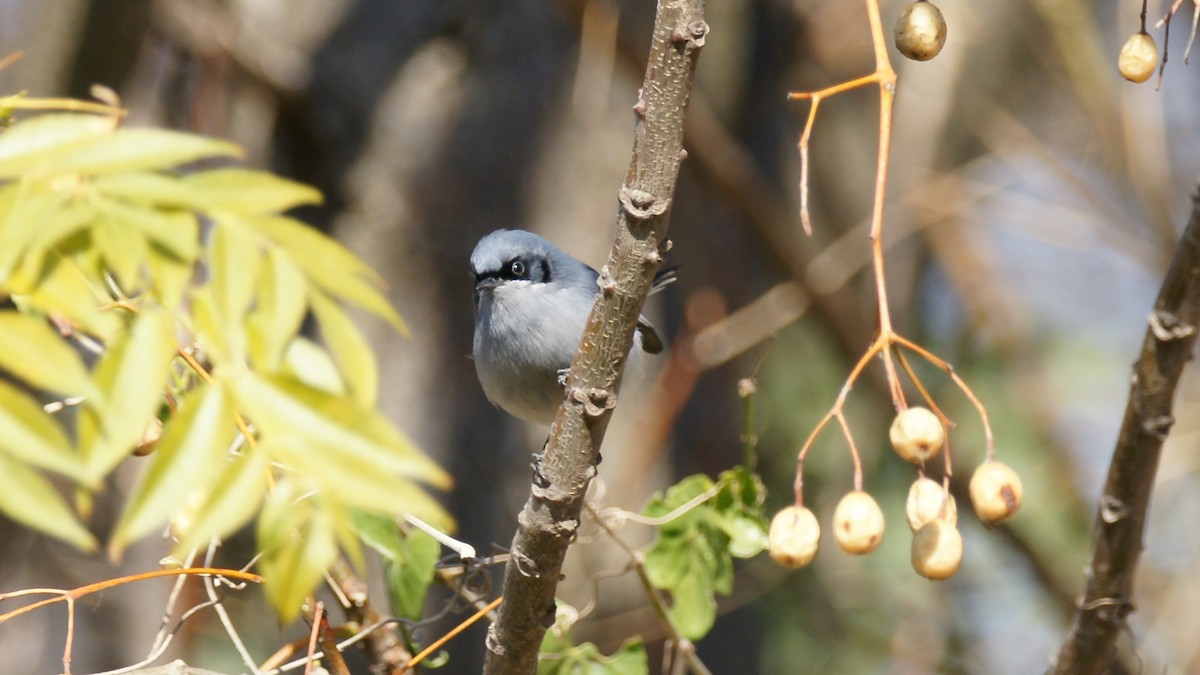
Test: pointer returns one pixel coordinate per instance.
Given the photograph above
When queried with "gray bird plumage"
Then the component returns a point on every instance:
(532, 301)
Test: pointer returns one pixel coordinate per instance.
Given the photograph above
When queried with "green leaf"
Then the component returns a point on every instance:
(127, 150)
(693, 556)
(236, 495)
(298, 546)
(332, 267)
(279, 312)
(560, 656)
(676, 497)
(693, 610)
(192, 450)
(28, 498)
(133, 375)
(28, 434)
(382, 533)
(747, 536)
(351, 351)
(34, 352)
(408, 579)
(249, 192)
(40, 140)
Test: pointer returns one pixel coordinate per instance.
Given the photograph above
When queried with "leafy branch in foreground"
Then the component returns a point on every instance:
(188, 288)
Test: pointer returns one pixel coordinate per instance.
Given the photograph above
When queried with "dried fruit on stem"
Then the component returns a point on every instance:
(921, 31)
(794, 536)
(995, 492)
(917, 435)
(1138, 58)
(928, 500)
(858, 523)
(937, 549)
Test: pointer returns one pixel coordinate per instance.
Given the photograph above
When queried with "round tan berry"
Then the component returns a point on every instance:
(920, 31)
(995, 492)
(937, 549)
(927, 499)
(1138, 58)
(917, 435)
(858, 523)
(793, 536)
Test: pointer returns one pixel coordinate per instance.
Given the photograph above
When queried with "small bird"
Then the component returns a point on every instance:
(532, 301)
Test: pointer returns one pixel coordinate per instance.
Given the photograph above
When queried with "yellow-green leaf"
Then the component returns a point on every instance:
(233, 261)
(312, 366)
(249, 192)
(124, 251)
(301, 417)
(34, 352)
(29, 434)
(141, 149)
(276, 318)
(25, 208)
(356, 482)
(66, 291)
(176, 231)
(192, 450)
(28, 498)
(36, 141)
(133, 375)
(235, 498)
(351, 351)
(207, 325)
(152, 189)
(298, 546)
(330, 266)
(57, 226)
(168, 274)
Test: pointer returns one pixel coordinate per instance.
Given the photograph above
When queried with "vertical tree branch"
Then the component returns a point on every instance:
(562, 473)
(1120, 524)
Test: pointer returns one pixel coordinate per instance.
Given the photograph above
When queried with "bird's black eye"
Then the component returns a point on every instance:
(517, 269)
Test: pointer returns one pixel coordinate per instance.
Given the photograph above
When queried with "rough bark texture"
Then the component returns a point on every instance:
(1120, 523)
(562, 473)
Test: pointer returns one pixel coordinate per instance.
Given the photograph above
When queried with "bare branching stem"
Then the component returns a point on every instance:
(1169, 344)
(548, 522)
(887, 342)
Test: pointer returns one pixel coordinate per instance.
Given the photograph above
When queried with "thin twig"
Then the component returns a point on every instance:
(318, 615)
(437, 644)
(674, 637)
(211, 589)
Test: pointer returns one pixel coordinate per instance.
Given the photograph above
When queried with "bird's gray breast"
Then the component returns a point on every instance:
(524, 335)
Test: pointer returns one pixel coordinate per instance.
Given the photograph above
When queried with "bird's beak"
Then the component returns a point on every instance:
(486, 283)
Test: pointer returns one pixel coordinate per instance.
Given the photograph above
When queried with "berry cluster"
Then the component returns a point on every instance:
(917, 435)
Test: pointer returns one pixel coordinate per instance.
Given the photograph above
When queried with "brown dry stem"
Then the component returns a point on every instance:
(1121, 519)
(548, 522)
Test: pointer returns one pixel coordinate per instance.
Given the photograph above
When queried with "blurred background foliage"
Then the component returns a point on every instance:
(1035, 198)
